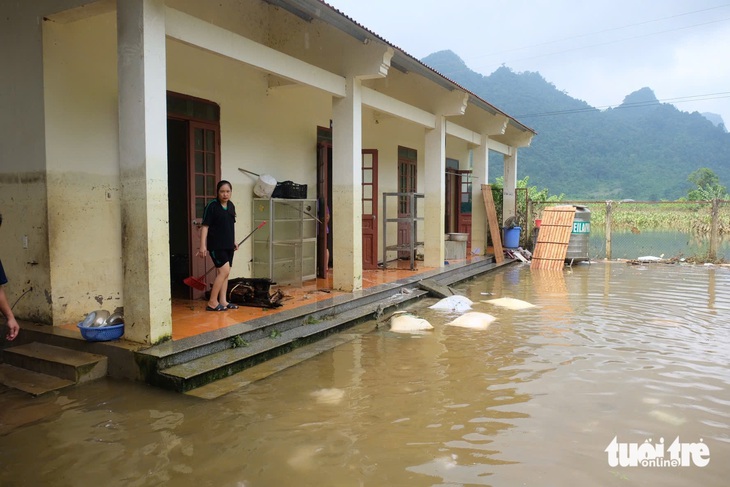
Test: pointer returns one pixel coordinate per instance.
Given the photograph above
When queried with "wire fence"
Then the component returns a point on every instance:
(692, 230)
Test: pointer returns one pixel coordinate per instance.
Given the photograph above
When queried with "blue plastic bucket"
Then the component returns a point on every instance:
(512, 237)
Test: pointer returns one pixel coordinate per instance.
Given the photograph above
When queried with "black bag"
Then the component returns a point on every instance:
(253, 292)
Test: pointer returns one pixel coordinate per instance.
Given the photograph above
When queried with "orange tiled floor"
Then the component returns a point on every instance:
(189, 317)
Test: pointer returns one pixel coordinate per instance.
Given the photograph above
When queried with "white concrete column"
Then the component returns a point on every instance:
(435, 199)
(480, 173)
(347, 188)
(510, 183)
(141, 68)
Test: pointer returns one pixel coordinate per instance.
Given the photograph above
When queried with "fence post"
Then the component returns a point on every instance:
(713, 229)
(609, 206)
(528, 221)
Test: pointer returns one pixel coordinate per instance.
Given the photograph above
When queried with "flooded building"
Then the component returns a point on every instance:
(120, 117)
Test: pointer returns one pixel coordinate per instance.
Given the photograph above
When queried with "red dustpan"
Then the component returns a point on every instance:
(199, 282)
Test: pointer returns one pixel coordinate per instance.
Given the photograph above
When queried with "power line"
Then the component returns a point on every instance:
(622, 40)
(609, 30)
(681, 99)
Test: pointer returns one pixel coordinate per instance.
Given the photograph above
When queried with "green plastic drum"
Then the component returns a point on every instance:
(578, 243)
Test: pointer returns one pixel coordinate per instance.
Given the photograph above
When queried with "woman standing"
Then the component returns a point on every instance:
(218, 239)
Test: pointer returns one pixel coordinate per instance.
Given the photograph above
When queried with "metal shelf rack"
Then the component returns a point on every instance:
(411, 218)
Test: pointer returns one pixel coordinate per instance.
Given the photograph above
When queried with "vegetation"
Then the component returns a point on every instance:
(706, 186)
(533, 194)
(641, 149)
(311, 320)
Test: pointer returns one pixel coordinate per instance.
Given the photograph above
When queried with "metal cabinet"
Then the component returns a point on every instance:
(285, 250)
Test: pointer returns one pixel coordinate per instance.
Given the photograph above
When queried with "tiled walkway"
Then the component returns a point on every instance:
(189, 317)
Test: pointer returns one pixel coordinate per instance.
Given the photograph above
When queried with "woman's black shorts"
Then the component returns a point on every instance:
(221, 257)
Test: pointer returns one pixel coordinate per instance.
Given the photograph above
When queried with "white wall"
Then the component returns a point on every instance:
(264, 131)
(22, 161)
(386, 133)
(84, 222)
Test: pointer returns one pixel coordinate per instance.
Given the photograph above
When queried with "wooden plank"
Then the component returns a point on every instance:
(493, 225)
(434, 288)
(553, 238)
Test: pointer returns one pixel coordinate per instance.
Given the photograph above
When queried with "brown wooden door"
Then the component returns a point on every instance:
(465, 201)
(204, 173)
(407, 160)
(369, 209)
(452, 195)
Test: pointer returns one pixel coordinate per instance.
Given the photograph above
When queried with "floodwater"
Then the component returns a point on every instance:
(610, 350)
(628, 245)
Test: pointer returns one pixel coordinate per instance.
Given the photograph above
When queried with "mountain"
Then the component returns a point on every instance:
(715, 118)
(642, 149)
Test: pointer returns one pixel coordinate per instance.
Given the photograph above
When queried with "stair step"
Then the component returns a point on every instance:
(72, 365)
(31, 382)
(230, 356)
(270, 367)
(201, 371)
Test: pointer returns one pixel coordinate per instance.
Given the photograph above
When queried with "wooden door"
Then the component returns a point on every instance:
(452, 196)
(407, 160)
(204, 173)
(465, 202)
(369, 209)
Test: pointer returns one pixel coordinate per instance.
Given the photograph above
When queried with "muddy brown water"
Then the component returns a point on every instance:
(640, 353)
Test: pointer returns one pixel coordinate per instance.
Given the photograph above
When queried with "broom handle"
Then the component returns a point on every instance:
(240, 243)
(252, 232)
(249, 172)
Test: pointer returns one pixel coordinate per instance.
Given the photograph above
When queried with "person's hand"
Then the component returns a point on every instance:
(13, 329)
(202, 252)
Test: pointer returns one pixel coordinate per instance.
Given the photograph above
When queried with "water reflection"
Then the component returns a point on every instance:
(636, 352)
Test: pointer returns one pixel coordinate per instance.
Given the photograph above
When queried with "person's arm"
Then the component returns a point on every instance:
(203, 251)
(13, 327)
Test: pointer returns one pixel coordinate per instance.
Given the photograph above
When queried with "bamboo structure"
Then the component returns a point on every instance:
(553, 238)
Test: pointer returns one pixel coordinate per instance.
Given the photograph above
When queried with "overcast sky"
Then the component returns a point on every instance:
(596, 51)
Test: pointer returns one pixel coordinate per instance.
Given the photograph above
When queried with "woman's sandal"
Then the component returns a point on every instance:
(220, 307)
(231, 306)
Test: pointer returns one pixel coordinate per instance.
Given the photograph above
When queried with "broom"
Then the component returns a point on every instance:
(199, 282)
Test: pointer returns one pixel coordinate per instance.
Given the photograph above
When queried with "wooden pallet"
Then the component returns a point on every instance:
(553, 238)
(492, 223)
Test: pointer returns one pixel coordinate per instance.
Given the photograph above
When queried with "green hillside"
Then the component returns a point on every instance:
(643, 150)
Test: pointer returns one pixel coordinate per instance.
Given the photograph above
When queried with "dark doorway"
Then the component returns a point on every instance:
(324, 201)
(193, 170)
(177, 181)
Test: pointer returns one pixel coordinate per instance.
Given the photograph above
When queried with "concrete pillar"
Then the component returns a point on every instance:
(435, 199)
(347, 188)
(141, 67)
(510, 183)
(480, 173)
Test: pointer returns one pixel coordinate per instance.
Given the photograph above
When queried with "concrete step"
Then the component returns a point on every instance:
(29, 381)
(70, 365)
(197, 372)
(270, 367)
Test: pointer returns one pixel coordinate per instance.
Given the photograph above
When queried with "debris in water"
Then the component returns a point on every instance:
(510, 303)
(453, 303)
(474, 320)
(406, 322)
(328, 395)
(667, 417)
